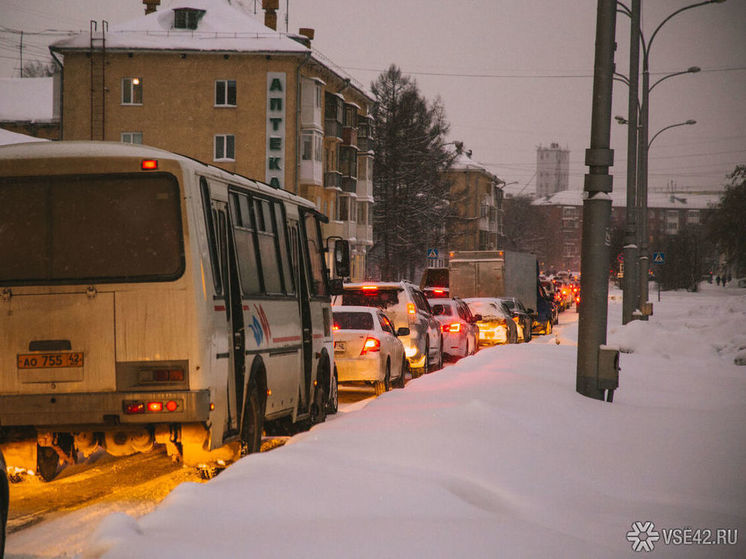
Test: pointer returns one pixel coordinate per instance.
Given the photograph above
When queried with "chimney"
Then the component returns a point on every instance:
(270, 13)
(150, 5)
(308, 33)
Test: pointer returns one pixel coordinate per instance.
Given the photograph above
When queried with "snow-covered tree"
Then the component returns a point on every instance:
(409, 187)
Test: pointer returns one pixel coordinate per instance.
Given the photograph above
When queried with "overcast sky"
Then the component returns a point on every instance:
(512, 74)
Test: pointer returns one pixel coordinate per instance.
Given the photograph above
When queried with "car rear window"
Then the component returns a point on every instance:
(353, 321)
(380, 298)
(442, 310)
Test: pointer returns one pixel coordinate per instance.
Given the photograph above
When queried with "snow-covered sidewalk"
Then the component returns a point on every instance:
(497, 456)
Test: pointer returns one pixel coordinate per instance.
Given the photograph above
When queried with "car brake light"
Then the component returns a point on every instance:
(454, 327)
(335, 327)
(370, 345)
(370, 288)
(411, 309)
(149, 164)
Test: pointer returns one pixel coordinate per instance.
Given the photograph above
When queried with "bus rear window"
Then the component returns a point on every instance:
(90, 228)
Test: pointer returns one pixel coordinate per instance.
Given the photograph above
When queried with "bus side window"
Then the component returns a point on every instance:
(244, 237)
(212, 244)
(318, 282)
(268, 254)
(287, 270)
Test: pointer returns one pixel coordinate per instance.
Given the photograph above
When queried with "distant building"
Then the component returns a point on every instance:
(562, 213)
(30, 106)
(476, 200)
(209, 81)
(552, 170)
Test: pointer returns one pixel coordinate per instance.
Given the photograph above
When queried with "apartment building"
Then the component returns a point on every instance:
(207, 80)
(476, 197)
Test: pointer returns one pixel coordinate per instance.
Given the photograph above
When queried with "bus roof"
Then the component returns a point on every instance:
(91, 149)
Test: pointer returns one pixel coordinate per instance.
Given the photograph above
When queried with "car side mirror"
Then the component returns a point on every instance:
(477, 317)
(530, 311)
(402, 331)
(342, 258)
(336, 287)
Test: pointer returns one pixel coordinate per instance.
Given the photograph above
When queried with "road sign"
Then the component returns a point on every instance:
(659, 257)
(620, 257)
(432, 253)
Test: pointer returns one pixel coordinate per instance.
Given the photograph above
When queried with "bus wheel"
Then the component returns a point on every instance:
(333, 405)
(318, 407)
(47, 462)
(253, 420)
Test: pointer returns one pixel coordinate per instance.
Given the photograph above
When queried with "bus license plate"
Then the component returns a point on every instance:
(50, 360)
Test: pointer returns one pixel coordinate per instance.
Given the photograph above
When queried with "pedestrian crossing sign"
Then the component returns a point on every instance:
(659, 257)
(432, 253)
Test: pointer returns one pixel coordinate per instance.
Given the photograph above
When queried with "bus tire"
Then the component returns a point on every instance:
(333, 405)
(47, 462)
(253, 419)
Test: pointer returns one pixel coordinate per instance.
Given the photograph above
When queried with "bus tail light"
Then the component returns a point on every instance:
(132, 408)
(149, 164)
(371, 345)
(155, 406)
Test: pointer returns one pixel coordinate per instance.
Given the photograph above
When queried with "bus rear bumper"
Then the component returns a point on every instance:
(104, 409)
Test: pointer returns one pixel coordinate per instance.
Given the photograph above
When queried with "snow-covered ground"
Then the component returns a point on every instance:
(495, 456)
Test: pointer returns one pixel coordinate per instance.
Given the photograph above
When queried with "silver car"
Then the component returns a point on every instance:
(406, 306)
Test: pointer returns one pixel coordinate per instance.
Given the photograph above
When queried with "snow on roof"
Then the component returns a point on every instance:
(27, 99)
(660, 200)
(221, 28)
(7, 137)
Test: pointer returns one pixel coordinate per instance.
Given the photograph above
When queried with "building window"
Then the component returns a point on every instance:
(317, 95)
(343, 208)
(692, 217)
(131, 137)
(672, 222)
(225, 93)
(131, 91)
(311, 146)
(187, 18)
(225, 147)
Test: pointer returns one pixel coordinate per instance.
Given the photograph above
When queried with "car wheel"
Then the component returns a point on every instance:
(527, 333)
(439, 362)
(384, 385)
(399, 383)
(333, 405)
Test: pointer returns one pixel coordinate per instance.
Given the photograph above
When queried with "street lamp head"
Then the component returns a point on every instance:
(690, 122)
(621, 120)
(694, 69)
(717, 1)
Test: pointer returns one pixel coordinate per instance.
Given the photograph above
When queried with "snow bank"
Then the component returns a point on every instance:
(495, 456)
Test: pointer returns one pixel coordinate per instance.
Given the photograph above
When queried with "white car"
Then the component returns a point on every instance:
(459, 326)
(368, 348)
(406, 306)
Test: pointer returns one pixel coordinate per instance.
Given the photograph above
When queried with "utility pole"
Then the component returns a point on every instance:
(597, 210)
(631, 280)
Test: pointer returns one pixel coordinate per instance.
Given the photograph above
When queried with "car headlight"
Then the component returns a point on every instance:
(410, 351)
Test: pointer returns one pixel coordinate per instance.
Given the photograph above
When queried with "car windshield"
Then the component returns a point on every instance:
(508, 303)
(442, 310)
(485, 308)
(380, 298)
(353, 321)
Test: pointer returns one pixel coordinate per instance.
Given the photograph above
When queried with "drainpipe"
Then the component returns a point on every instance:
(61, 85)
(297, 120)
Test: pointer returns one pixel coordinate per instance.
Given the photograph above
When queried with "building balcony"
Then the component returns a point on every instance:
(345, 229)
(333, 179)
(349, 136)
(365, 234)
(364, 188)
(311, 172)
(333, 129)
(364, 144)
(349, 184)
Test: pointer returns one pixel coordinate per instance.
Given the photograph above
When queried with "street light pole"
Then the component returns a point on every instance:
(642, 158)
(630, 296)
(597, 211)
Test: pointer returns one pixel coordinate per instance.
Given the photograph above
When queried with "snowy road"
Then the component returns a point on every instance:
(54, 520)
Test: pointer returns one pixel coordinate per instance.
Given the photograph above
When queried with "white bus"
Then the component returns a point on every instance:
(148, 298)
